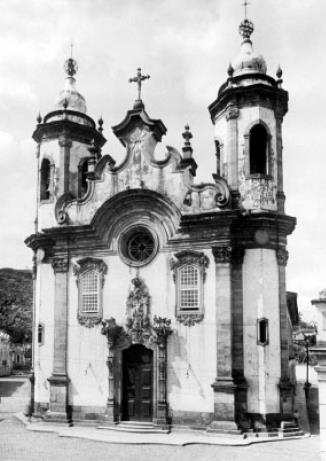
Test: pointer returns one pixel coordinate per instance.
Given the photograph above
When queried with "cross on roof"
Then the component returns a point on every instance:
(139, 79)
(245, 4)
(71, 47)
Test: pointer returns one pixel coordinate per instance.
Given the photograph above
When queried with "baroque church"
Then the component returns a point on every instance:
(156, 300)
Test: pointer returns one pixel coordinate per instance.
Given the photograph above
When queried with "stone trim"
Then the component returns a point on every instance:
(222, 254)
(154, 336)
(282, 256)
(184, 258)
(60, 264)
(90, 319)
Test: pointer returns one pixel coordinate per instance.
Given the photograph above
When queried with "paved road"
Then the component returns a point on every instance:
(16, 443)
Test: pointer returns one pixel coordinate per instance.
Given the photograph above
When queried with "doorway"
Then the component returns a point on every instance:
(137, 384)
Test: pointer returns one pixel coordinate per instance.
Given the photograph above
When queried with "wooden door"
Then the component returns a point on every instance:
(137, 384)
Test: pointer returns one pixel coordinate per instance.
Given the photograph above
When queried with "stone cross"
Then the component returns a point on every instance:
(139, 79)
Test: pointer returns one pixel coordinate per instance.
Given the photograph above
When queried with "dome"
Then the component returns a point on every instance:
(69, 97)
(322, 294)
(248, 61)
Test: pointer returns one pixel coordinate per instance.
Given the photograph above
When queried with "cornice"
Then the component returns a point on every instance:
(68, 129)
(252, 95)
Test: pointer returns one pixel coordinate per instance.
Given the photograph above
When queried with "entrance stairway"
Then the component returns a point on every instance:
(136, 427)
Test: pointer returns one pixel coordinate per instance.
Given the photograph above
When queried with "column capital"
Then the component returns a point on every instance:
(232, 113)
(60, 264)
(222, 254)
(65, 142)
(282, 256)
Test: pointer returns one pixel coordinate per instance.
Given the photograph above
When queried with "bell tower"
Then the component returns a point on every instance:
(68, 146)
(247, 116)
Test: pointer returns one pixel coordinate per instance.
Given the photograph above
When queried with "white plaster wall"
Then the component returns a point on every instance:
(262, 364)
(44, 313)
(87, 353)
(88, 350)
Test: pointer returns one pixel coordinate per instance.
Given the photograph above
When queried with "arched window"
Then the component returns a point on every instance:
(90, 274)
(258, 148)
(45, 179)
(189, 271)
(82, 177)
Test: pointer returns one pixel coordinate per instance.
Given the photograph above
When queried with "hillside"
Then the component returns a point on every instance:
(16, 292)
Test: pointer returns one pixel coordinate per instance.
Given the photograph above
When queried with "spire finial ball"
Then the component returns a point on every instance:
(71, 67)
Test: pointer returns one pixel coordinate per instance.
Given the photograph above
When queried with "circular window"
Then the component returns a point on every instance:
(138, 246)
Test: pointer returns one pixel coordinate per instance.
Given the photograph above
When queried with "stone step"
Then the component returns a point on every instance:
(136, 427)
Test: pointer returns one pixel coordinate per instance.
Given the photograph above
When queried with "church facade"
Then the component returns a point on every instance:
(156, 299)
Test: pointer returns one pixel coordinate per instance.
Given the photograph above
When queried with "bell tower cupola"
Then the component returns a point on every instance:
(247, 116)
(68, 145)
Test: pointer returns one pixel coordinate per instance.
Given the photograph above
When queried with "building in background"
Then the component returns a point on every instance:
(157, 299)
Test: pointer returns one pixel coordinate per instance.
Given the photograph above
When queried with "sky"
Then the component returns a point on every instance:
(186, 47)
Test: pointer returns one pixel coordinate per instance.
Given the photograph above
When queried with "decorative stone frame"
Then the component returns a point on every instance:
(184, 258)
(154, 337)
(123, 242)
(269, 154)
(89, 319)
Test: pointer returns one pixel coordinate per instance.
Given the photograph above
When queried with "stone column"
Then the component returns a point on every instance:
(59, 379)
(232, 146)
(65, 145)
(240, 382)
(286, 388)
(279, 159)
(224, 404)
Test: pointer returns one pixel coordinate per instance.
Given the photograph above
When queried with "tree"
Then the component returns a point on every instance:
(16, 304)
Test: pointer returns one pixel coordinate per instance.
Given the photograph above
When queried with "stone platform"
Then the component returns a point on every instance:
(180, 437)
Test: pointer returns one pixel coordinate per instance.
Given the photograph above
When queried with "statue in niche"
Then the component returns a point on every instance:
(138, 321)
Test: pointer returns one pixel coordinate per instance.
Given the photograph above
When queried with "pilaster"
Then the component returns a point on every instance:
(65, 146)
(224, 404)
(286, 388)
(232, 145)
(59, 381)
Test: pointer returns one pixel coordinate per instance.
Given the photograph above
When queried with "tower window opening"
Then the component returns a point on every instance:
(45, 179)
(258, 146)
(262, 333)
(82, 178)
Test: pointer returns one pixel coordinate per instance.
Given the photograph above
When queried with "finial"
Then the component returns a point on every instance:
(246, 28)
(100, 124)
(279, 72)
(139, 79)
(187, 135)
(39, 118)
(71, 66)
(245, 4)
(230, 70)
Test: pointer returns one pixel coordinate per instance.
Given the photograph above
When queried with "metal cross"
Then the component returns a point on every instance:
(71, 47)
(245, 4)
(139, 79)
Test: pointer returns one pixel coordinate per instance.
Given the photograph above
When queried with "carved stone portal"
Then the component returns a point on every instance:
(139, 329)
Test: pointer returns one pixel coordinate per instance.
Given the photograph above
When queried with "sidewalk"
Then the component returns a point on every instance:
(180, 438)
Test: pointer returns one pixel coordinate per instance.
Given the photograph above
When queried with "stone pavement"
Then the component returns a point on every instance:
(19, 444)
